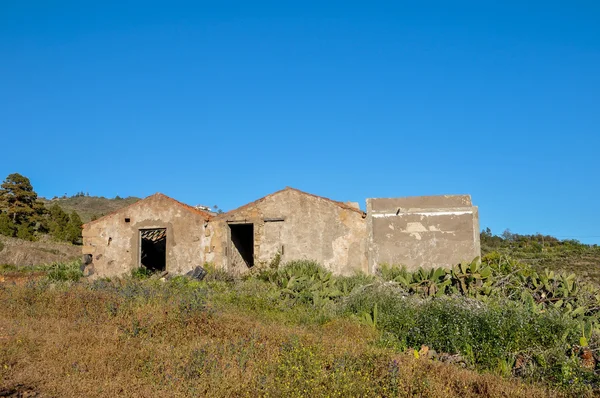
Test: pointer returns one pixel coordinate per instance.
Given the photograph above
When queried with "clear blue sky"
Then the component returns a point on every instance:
(224, 102)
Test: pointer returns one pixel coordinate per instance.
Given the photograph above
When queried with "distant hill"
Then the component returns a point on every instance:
(90, 206)
(544, 251)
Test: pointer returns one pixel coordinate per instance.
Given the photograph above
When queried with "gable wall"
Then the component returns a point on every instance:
(185, 233)
(313, 228)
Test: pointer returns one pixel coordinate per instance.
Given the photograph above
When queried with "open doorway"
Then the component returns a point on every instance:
(242, 245)
(153, 249)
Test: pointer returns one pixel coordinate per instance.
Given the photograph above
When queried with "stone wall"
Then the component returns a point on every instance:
(298, 225)
(113, 242)
(427, 231)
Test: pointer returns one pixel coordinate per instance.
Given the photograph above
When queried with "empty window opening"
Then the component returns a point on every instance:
(242, 239)
(127, 219)
(153, 249)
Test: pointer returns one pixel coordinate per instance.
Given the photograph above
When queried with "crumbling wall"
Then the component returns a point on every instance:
(298, 226)
(427, 231)
(112, 242)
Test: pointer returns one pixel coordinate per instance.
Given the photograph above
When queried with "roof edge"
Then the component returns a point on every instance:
(257, 201)
(159, 195)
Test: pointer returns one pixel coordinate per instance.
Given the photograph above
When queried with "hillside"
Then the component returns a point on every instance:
(21, 252)
(543, 251)
(90, 206)
(297, 331)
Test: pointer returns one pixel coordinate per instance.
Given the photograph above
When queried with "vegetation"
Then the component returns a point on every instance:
(20, 212)
(89, 207)
(54, 272)
(297, 330)
(544, 251)
(60, 272)
(23, 216)
(141, 273)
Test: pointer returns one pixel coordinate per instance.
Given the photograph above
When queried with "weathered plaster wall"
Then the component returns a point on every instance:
(312, 228)
(114, 243)
(428, 231)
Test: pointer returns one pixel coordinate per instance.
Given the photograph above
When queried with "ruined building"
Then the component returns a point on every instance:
(161, 233)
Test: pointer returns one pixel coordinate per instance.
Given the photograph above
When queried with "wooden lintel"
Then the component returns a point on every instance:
(274, 219)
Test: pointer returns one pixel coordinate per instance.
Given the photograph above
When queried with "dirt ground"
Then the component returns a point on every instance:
(20, 278)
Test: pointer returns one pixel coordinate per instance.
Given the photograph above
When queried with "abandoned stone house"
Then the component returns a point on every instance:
(161, 233)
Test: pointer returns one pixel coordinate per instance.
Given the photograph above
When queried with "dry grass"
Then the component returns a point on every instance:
(25, 253)
(147, 339)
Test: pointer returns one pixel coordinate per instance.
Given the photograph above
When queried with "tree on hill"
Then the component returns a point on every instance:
(7, 227)
(17, 198)
(63, 226)
(73, 231)
(59, 220)
(23, 216)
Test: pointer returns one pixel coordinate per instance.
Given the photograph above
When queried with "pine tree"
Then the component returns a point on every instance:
(18, 198)
(59, 221)
(6, 226)
(73, 230)
(25, 232)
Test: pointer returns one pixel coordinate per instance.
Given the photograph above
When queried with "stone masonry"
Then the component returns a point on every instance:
(167, 235)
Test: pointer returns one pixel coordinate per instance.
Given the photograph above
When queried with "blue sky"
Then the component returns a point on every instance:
(223, 102)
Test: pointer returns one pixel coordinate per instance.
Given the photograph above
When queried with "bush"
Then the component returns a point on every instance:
(7, 227)
(8, 267)
(25, 232)
(484, 334)
(59, 272)
(347, 284)
(141, 273)
(214, 274)
(1, 246)
(307, 268)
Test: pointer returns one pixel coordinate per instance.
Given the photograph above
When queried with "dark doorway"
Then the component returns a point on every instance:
(242, 239)
(153, 249)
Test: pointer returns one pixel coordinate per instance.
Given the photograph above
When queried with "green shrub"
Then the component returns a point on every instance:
(7, 267)
(1, 246)
(251, 294)
(307, 268)
(141, 273)
(347, 284)
(59, 272)
(307, 282)
(389, 272)
(483, 333)
(25, 232)
(215, 274)
(7, 227)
